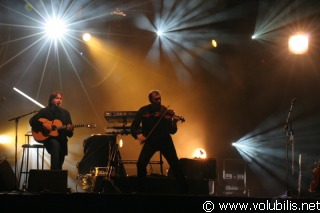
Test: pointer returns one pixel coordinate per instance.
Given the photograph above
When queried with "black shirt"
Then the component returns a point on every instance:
(151, 126)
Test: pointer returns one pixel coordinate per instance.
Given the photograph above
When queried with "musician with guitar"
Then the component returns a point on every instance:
(157, 125)
(46, 128)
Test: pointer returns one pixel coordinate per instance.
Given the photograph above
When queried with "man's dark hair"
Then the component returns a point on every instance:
(52, 96)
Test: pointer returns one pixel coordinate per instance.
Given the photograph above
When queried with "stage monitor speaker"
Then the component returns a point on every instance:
(48, 181)
(197, 168)
(8, 180)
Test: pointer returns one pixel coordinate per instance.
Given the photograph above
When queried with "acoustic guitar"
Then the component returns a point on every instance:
(56, 124)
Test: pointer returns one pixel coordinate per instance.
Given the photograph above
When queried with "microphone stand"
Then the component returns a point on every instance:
(289, 138)
(16, 119)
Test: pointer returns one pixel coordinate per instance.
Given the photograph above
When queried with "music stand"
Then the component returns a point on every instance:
(114, 165)
(16, 119)
(114, 157)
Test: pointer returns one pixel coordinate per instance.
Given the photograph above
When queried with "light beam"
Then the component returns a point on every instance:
(28, 97)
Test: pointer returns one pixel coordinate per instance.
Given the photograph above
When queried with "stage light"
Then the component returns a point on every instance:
(120, 143)
(200, 153)
(214, 43)
(159, 32)
(298, 44)
(55, 28)
(4, 139)
(28, 97)
(86, 37)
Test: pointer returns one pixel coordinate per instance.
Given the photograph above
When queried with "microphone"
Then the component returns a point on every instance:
(293, 100)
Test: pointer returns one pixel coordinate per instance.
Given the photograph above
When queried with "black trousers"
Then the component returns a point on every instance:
(53, 147)
(169, 153)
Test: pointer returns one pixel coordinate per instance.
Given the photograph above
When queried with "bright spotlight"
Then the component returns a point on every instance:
(298, 44)
(55, 28)
(214, 43)
(200, 153)
(120, 143)
(239, 145)
(159, 32)
(4, 139)
(86, 37)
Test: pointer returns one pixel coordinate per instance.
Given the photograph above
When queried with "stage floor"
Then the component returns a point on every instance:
(162, 195)
(131, 202)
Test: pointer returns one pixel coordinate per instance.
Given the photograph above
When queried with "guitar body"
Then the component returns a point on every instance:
(43, 134)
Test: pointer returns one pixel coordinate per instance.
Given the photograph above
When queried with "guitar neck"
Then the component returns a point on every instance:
(91, 126)
(75, 126)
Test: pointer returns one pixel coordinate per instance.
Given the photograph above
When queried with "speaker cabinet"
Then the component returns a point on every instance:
(197, 168)
(48, 181)
(8, 180)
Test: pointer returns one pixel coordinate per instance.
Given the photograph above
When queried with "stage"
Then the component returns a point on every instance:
(131, 202)
(162, 195)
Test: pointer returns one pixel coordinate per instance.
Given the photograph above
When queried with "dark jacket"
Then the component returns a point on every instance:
(148, 117)
(58, 116)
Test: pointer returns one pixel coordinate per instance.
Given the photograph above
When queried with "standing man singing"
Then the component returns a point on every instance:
(156, 136)
(44, 130)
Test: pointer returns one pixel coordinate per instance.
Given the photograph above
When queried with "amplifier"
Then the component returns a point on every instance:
(197, 168)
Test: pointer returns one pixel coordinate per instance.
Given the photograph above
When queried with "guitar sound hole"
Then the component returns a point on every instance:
(45, 132)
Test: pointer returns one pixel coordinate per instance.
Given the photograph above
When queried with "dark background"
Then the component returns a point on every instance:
(241, 90)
